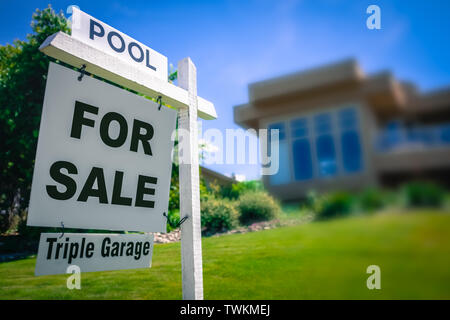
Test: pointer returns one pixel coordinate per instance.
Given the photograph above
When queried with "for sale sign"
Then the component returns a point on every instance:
(103, 159)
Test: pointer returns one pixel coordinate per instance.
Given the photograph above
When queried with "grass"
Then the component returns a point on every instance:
(320, 260)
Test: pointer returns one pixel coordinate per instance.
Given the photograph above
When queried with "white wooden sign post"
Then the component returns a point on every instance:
(112, 55)
(191, 241)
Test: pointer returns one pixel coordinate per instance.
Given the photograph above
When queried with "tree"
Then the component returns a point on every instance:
(23, 72)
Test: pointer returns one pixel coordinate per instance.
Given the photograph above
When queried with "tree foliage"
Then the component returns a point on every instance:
(23, 72)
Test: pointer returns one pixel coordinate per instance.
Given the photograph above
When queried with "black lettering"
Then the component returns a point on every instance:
(146, 250)
(105, 248)
(89, 250)
(58, 176)
(117, 190)
(104, 129)
(115, 249)
(58, 247)
(50, 247)
(145, 138)
(88, 190)
(143, 190)
(66, 247)
(129, 249)
(73, 252)
(79, 120)
(138, 250)
(82, 247)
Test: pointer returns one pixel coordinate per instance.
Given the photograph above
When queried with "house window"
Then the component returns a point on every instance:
(319, 146)
(283, 175)
(325, 147)
(445, 133)
(301, 149)
(302, 159)
(350, 140)
(351, 151)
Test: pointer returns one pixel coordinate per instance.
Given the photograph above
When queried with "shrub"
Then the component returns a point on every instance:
(239, 188)
(423, 194)
(311, 200)
(173, 218)
(373, 199)
(257, 206)
(333, 205)
(217, 215)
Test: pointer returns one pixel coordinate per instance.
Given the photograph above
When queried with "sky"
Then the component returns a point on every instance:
(234, 43)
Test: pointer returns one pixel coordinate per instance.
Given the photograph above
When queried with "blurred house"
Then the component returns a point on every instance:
(340, 129)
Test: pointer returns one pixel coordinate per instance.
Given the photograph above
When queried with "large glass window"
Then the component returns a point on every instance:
(302, 159)
(283, 175)
(326, 155)
(301, 149)
(325, 148)
(320, 145)
(351, 151)
(350, 140)
(445, 133)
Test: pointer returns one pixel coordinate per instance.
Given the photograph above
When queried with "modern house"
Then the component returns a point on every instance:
(340, 129)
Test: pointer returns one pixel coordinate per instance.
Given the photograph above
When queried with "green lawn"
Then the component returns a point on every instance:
(319, 260)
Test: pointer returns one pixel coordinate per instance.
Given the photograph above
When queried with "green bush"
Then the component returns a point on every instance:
(257, 206)
(173, 218)
(423, 194)
(334, 205)
(310, 201)
(239, 188)
(217, 215)
(373, 199)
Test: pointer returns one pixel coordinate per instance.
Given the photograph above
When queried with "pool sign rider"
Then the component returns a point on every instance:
(104, 154)
(107, 39)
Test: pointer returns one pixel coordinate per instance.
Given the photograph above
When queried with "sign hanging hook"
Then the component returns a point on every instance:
(159, 100)
(178, 224)
(62, 235)
(82, 72)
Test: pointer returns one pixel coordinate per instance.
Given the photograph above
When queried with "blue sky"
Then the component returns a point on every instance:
(234, 43)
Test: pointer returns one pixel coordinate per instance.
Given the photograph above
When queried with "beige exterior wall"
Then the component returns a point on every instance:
(413, 160)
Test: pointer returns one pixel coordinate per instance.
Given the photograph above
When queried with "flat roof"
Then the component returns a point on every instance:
(381, 91)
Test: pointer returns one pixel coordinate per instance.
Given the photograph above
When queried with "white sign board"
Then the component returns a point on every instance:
(93, 252)
(103, 159)
(105, 38)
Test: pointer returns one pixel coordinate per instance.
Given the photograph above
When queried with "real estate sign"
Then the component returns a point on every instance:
(93, 252)
(103, 159)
